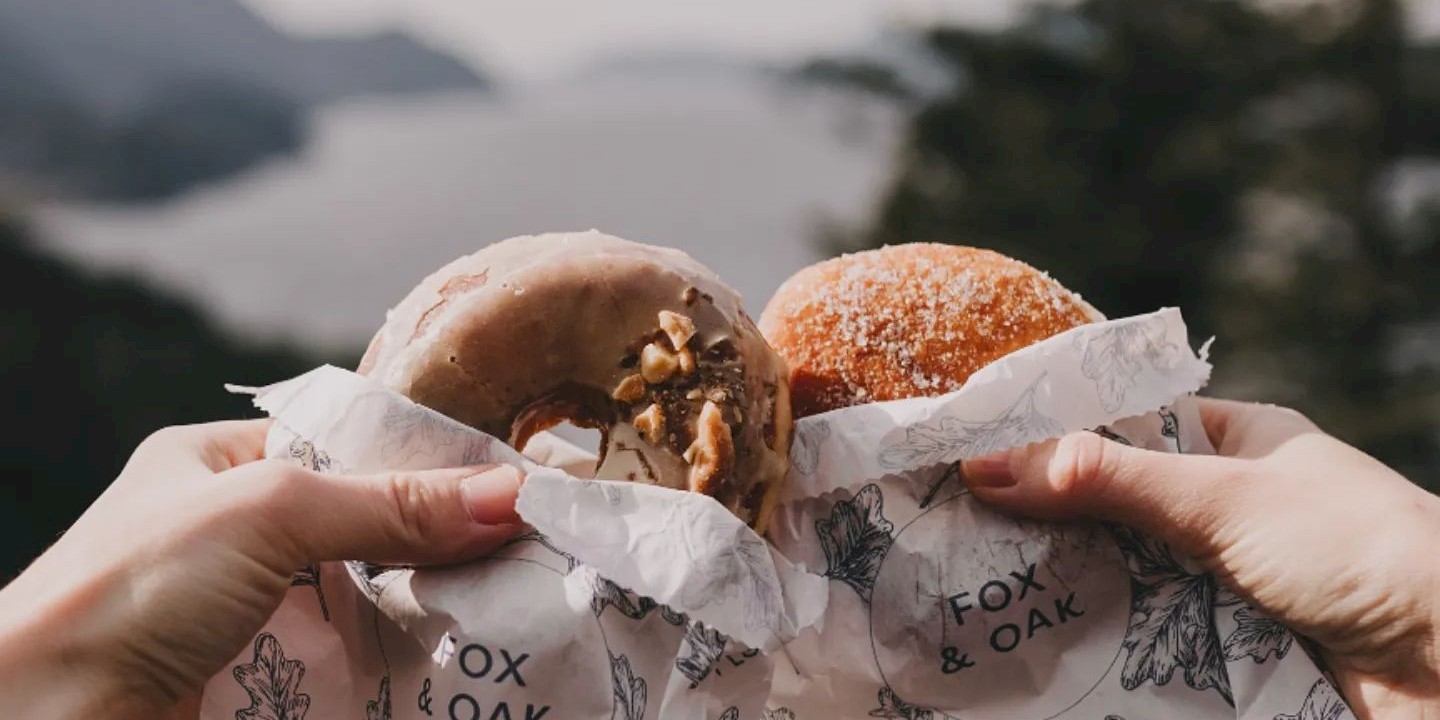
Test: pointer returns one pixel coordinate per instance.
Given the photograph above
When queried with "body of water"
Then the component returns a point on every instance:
(736, 170)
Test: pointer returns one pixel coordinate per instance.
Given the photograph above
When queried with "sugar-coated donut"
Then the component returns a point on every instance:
(640, 342)
(909, 321)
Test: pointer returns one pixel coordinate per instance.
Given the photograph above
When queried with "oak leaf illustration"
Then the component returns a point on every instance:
(950, 439)
(893, 708)
(809, 436)
(704, 646)
(856, 538)
(1171, 619)
(629, 690)
(1115, 358)
(1257, 637)
(1321, 703)
(273, 683)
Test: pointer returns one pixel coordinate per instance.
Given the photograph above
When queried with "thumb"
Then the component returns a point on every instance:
(410, 517)
(1182, 499)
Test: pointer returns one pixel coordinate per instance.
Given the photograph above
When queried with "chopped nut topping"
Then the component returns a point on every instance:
(713, 452)
(657, 364)
(687, 362)
(717, 395)
(651, 424)
(678, 327)
(694, 394)
(630, 389)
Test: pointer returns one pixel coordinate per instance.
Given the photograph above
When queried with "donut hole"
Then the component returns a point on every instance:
(584, 441)
(573, 413)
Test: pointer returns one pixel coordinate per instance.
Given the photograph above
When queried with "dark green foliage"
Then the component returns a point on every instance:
(1216, 157)
(89, 366)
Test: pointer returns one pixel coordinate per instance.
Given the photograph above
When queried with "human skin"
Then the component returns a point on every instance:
(1307, 529)
(188, 553)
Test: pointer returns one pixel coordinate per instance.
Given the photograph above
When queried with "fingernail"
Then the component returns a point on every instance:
(989, 471)
(489, 495)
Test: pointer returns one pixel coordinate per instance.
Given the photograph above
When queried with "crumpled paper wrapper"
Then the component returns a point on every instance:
(884, 590)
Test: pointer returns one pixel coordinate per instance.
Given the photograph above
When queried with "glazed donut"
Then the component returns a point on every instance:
(642, 343)
(909, 321)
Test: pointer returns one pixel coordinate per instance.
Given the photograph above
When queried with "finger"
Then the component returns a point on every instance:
(423, 517)
(210, 447)
(1183, 499)
(1249, 430)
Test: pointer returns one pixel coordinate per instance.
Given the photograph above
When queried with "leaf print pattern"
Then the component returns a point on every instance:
(950, 439)
(1321, 703)
(747, 569)
(763, 604)
(809, 437)
(951, 473)
(411, 430)
(1115, 357)
(379, 708)
(629, 691)
(896, 709)
(1171, 620)
(310, 575)
(1313, 651)
(704, 647)
(477, 451)
(273, 684)
(1109, 434)
(605, 593)
(731, 713)
(672, 617)
(1170, 426)
(536, 537)
(1257, 637)
(364, 575)
(855, 539)
(304, 452)
(780, 713)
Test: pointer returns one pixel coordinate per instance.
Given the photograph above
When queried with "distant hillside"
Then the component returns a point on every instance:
(140, 98)
(93, 364)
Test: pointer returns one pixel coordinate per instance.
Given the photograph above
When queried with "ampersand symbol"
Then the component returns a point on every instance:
(425, 700)
(952, 661)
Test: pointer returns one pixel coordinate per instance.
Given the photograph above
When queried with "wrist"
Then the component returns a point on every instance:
(48, 671)
(44, 676)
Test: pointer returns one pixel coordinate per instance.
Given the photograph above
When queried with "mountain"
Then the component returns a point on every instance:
(141, 98)
(94, 363)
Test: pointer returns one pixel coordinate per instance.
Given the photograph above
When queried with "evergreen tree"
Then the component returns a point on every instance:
(1233, 159)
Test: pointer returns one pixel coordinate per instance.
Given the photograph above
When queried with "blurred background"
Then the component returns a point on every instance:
(195, 192)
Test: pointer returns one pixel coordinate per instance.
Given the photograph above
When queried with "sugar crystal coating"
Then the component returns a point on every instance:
(909, 321)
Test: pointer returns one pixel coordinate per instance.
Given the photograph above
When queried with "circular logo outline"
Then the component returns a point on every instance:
(870, 613)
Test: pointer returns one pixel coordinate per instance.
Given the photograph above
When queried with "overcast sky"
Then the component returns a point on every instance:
(530, 40)
(537, 39)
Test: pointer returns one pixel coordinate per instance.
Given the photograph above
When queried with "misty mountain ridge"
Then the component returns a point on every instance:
(139, 99)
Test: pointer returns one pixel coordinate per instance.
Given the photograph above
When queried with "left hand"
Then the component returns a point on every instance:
(185, 556)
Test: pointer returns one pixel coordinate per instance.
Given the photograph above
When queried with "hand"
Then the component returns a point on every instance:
(1308, 529)
(183, 559)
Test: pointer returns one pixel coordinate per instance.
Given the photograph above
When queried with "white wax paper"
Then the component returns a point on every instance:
(884, 589)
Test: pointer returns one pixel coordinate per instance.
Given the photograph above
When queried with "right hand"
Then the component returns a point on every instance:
(1306, 528)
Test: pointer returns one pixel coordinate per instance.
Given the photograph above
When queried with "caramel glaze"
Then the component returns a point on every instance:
(538, 330)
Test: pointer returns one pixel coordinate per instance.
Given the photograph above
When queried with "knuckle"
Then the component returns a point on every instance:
(1078, 470)
(1289, 415)
(273, 484)
(166, 437)
(412, 504)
